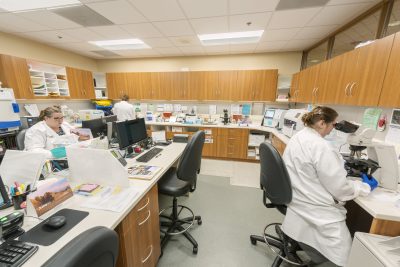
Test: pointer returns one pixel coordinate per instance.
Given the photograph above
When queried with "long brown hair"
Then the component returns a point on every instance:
(318, 113)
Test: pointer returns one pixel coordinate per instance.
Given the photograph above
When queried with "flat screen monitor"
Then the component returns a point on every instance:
(130, 132)
(269, 113)
(97, 126)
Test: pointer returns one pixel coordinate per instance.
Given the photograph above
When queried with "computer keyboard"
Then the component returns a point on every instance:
(14, 253)
(149, 154)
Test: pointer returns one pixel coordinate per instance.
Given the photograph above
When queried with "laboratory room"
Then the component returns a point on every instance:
(186, 133)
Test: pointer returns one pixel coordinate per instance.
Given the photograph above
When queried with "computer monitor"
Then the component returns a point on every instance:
(99, 126)
(130, 132)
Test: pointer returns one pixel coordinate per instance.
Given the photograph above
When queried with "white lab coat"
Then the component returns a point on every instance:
(124, 111)
(41, 137)
(316, 215)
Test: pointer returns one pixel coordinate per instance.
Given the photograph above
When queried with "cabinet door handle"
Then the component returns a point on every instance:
(346, 88)
(145, 205)
(30, 88)
(145, 220)
(351, 88)
(148, 256)
(316, 92)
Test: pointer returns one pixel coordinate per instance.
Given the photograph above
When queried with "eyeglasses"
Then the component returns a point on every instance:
(58, 118)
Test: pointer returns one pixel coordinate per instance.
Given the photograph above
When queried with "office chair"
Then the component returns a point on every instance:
(21, 139)
(96, 247)
(179, 182)
(277, 188)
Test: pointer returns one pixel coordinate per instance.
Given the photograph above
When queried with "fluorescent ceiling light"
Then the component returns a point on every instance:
(231, 38)
(23, 5)
(124, 44)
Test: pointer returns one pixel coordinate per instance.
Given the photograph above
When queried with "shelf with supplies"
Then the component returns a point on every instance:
(47, 79)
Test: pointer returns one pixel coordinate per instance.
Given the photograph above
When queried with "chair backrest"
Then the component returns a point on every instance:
(274, 178)
(21, 139)
(96, 247)
(189, 163)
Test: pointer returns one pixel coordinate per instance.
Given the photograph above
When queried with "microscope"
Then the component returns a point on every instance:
(381, 160)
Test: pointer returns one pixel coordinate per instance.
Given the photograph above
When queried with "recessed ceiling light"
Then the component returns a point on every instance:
(314, 60)
(124, 44)
(231, 38)
(394, 23)
(23, 5)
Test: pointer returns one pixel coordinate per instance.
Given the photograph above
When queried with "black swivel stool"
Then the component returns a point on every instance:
(179, 182)
(277, 188)
(96, 247)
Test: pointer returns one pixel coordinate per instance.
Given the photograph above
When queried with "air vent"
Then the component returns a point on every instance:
(296, 4)
(105, 53)
(83, 16)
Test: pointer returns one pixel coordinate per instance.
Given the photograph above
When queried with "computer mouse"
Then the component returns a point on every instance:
(56, 222)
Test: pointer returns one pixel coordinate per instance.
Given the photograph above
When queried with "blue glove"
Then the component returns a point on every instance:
(371, 181)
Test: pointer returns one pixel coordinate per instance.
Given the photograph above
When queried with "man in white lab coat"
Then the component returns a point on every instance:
(124, 110)
(316, 216)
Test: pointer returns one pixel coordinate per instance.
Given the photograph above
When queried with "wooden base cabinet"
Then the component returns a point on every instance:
(139, 234)
(278, 144)
(232, 143)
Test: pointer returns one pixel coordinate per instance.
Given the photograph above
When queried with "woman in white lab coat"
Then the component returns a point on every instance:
(316, 216)
(41, 136)
(124, 110)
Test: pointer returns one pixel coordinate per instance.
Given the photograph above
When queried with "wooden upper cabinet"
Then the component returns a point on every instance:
(363, 72)
(211, 85)
(265, 85)
(133, 81)
(227, 84)
(14, 74)
(390, 95)
(244, 86)
(178, 85)
(117, 84)
(294, 86)
(197, 85)
(80, 83)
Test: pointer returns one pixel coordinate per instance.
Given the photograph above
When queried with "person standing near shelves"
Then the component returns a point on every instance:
(124, 110)
(43, 135)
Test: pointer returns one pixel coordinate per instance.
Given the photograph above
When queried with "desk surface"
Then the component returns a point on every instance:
(168, 157)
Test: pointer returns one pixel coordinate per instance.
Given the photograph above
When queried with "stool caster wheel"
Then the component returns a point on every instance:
(195, 249)
(253, 241)
(200, 222)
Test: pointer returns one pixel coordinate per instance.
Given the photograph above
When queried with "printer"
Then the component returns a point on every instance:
(292, 121)
(274, 117)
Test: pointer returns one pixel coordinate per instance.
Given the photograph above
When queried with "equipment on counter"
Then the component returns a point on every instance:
(90, 114)
(28, 121)
(11, 225)
(225, 119)
(292, 121)
(274, 117)
(190, 118)
(9, 111)
(382, 158)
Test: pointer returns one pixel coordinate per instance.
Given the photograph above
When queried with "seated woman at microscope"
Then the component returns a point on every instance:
(316, 216)
(43, 135)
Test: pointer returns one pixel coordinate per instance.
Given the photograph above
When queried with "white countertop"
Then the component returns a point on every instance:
(109, 219)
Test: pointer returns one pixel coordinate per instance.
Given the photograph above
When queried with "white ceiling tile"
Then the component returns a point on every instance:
(344, 2)
(111, 32)
(331, 15)
(119, 12)
(266, 46)
(204, 8)
(210, 25)
(83, 34)
(81, 46)
(50, 37)
(52, 20)
(247, 48)
(217, 48)
(279, 35)
(174, 28)
(12, 23)
(169, 51)
(315, 32)
(192, 50)
(142, 30)
(299, 45)
(292, 18)
(251, 6)
(191, 40)
(137, 53)
(239, 23)
(156, 10)
(158, 42)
